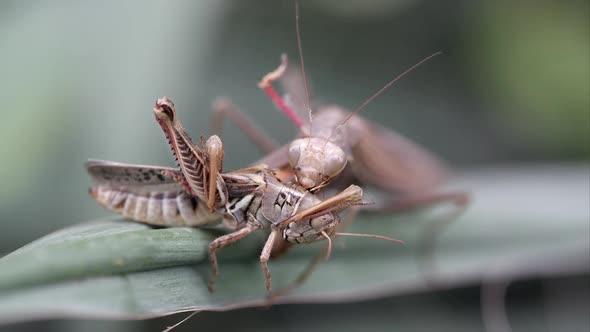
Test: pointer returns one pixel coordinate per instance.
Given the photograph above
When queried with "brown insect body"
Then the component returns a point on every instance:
(146, 194)
(258, 200)
(199, 194)
(374, 155)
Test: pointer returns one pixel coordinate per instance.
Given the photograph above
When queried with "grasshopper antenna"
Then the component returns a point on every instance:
(374, 236)
(407, 71)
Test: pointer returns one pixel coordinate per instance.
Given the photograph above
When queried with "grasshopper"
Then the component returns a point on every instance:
(200, 194)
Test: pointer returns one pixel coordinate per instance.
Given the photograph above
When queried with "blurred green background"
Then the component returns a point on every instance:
(78, 80)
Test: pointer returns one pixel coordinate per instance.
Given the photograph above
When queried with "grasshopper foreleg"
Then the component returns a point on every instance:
(265, 255)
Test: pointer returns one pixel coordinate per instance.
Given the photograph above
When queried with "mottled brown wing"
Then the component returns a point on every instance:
(391, 162)
(136, 179)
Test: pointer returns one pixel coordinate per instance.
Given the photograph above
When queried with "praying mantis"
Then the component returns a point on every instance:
(337, 147)
(200, 194)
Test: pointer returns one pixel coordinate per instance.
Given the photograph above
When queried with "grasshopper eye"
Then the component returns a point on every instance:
(334, 163)
(294, 152)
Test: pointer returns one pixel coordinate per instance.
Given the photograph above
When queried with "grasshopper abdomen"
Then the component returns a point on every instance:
(161, 208)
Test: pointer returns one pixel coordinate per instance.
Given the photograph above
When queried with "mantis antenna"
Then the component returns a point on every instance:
(407, 71)
(303, 74)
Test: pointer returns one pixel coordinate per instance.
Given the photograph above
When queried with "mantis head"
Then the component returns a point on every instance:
(315, 161)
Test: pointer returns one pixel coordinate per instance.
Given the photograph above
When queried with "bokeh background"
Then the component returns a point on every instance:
(78, 80)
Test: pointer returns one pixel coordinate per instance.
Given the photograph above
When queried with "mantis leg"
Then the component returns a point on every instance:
(265, 255)
(221, 242)
(400, 204)
(223, 107)
(302, 277)
(430, 232)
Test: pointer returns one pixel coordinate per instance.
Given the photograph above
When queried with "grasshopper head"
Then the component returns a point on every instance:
(315, 161)
(164, 111)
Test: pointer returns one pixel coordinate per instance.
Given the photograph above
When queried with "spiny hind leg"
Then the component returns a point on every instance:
(178, 177)
(219, 243)
(223, 107)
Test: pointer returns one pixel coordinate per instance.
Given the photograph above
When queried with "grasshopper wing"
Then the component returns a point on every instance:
(149, 194)
(134, 178)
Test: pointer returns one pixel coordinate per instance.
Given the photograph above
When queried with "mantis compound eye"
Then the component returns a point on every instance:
(334, 163)
(294, 152)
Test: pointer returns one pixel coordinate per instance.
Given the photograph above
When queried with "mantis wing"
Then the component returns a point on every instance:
(391, 162)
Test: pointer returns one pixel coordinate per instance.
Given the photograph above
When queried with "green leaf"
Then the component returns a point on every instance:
(522, 223)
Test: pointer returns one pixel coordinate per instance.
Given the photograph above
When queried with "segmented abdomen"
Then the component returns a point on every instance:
(162, 208)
